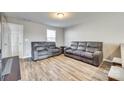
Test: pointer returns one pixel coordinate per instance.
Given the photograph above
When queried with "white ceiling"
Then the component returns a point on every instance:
(70, 19)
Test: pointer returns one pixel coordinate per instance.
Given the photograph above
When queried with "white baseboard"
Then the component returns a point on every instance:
(26, 57)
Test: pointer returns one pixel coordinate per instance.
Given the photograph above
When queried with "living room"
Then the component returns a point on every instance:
(61, 46)
(98, 36)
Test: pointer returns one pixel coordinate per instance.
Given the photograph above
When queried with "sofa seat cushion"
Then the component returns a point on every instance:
(70, 51)
(42, 53)
(87, 55)
(78, 52)
(40, 48)
(54, 50)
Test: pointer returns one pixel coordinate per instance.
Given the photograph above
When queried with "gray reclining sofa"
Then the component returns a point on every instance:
(41, 50)
(89, 52)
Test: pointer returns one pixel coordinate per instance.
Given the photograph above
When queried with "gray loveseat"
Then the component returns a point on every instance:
(89, 52)
(41, 50)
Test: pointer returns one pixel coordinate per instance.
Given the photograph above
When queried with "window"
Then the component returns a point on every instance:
(51, 35)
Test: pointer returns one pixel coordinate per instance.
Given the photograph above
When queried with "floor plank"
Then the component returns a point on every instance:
(61, 68)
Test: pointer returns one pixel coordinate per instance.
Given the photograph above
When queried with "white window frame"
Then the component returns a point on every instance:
(51, 35)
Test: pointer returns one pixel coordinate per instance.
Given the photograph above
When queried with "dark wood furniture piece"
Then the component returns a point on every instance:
(112, 79)
(62, 49)
(10, 69)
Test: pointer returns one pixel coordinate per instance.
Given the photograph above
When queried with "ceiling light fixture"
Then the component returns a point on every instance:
(60, 15)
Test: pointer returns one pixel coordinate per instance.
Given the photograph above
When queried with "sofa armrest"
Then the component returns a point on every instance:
(40, 48)
(54, 48)
(35, 55)
(57, 48)
(97, 53)
(66, 48)
(97, 57)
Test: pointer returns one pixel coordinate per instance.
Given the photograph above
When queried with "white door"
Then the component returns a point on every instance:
(16, 39)
(122, 54)
(20, 29)
(5, 40)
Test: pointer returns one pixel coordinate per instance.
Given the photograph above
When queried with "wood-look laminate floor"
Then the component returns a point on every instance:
(61, 68)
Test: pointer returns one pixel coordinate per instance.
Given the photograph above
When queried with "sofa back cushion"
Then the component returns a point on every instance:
(51, 44)
(42, 45)
(90, 49)
(82, 46)
(94, 46)
(38, 44)
(74, 45)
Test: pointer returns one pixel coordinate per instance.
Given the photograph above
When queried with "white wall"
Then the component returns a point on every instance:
(0, 34)
(36, 32)
(105, 27)
(0, 31)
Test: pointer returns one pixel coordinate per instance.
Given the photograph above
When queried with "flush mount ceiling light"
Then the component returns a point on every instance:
(60, 15)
